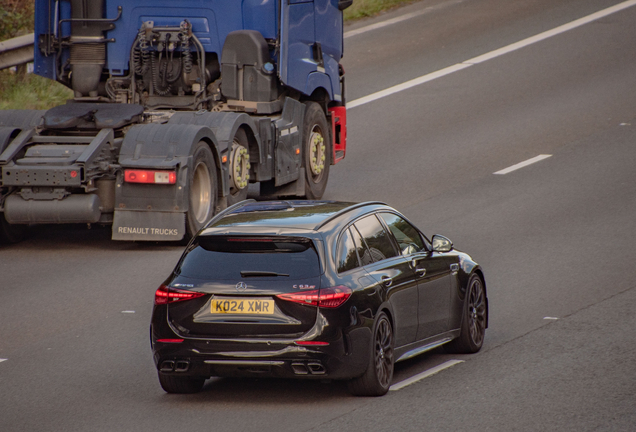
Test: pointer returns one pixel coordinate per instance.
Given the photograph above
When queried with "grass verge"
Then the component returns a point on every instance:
(368, 8)
(30, 91)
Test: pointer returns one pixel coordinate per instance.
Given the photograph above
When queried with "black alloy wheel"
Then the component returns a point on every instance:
(473, 327)
(316, 150)
(377, 378)
(202, 189)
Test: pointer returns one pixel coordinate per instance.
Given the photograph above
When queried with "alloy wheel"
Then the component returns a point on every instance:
(477, 312)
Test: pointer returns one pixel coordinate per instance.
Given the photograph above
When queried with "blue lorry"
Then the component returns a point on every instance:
(178, 106)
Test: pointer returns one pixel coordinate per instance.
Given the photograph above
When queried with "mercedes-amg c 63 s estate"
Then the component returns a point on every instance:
(313, 289)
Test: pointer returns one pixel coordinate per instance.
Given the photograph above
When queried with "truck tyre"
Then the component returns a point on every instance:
(10, 233)
(316, 150)
(202, 189)
(239, 168)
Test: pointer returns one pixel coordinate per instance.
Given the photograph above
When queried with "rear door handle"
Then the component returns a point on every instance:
(454, 268)
(387, 281)
(420, 271)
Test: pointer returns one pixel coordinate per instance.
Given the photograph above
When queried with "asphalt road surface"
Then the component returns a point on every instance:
(555, 237)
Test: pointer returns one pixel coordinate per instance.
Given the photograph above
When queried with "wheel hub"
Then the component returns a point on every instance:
(239, 166)
(317, 154)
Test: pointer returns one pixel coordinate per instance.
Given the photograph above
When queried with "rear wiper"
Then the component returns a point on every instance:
(246, 273)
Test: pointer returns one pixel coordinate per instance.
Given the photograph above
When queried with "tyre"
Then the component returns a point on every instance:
(202, 189)
(239, 171)
(377, 378)
(180, 384)
(10, 233)
(473, 329)
(316, 150)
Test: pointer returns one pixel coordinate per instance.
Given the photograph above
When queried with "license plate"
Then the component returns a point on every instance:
(246, 306)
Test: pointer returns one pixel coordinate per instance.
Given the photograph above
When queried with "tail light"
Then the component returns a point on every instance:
(150, 176)
(325, 297)
(165, 295)
(310, 343)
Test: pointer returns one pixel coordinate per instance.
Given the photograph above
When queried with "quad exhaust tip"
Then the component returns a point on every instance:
(313, 368)
(174, 366)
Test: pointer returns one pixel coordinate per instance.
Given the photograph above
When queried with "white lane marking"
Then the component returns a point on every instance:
(397, 19)
(550, 318)
(492, 54)
(555, 31)
(425, 374)
(128, 311)
(407, 85)
(523, 164)
(1, 360)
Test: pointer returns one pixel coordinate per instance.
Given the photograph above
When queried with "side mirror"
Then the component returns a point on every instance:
(343, 4)
(441, 244)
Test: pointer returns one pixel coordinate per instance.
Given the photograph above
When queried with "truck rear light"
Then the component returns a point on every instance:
(165, 295)
(339, 132)
(150, 176)
(331, 297)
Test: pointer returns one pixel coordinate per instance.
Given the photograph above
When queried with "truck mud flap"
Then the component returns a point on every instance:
(148, 226)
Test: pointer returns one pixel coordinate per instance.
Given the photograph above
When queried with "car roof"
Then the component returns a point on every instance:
(283, 217)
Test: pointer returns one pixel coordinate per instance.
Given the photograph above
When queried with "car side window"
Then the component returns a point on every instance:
(347, 256)
(408, 237)
(361, 247)
(376, 238)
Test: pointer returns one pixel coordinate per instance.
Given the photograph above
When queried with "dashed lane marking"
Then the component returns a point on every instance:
(1, 360)
(490, 55)
(425, 374)
(522, 164)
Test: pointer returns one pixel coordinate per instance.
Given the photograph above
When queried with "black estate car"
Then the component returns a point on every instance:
(313, 289)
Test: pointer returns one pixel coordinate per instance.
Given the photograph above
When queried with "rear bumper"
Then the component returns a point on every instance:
(346, 356)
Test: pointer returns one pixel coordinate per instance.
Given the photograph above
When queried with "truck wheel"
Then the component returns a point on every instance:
(239, 170)
(10, 233)
(316, 150)
(202, 189)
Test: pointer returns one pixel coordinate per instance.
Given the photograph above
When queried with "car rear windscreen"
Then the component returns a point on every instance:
(217, 257)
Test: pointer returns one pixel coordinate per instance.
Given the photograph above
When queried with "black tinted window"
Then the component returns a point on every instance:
(407, 236)
(216, 257)
(376, 237)
(361, 247)
(347, 256)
